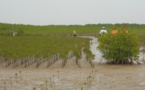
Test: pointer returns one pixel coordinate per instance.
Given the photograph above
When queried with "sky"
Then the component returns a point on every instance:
(72, 12)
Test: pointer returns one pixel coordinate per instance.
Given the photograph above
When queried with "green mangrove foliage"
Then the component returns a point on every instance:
(40, 46)
(120, 48)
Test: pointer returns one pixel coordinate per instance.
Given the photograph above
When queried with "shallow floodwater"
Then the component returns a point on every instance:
(95, 51)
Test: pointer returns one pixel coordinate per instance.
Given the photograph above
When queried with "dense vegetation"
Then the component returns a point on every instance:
(40, 46)
(121, 48)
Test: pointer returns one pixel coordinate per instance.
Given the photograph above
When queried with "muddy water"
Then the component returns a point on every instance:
(102, 77)
(93, 47)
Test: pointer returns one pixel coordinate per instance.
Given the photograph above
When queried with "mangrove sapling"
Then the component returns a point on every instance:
(53, 79)
(31, 60)
(5, 86)
(16, 77)
(58, 55)
(77, 62)
(48, 63)
(46, 84)
(41, 86)
(16, 63)
(82, 88)
(38, 62)
(85, 86)
(55, 57)
(91, 63)
(64, 62)
(89, 81)
(26, 63)
(21, 61)
(50, 80)
(93, 75)
(11, 83)
(34, 88)
(20, 75)
(51, 61)
(7, 62)
(58, 74)
(87, 58)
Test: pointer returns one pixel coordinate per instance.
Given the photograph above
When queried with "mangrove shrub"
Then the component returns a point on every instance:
(121, 48)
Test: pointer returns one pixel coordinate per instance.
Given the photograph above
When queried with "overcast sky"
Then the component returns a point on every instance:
(65, 12)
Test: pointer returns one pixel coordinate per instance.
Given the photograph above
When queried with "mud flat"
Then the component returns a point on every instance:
(102, 77)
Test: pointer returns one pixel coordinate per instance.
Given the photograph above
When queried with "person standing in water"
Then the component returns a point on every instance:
(124, 29)
(102, 31)
(115, 31)
(74, 33)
